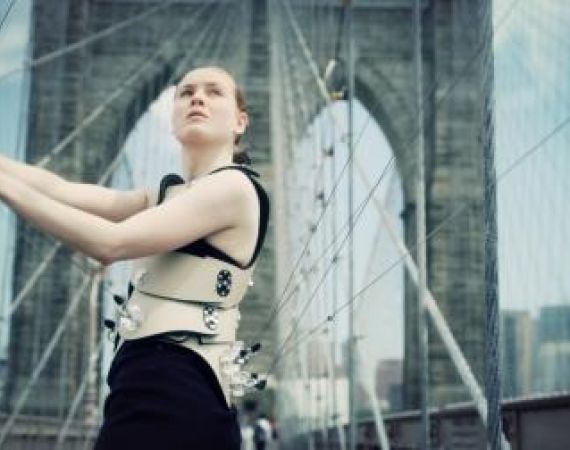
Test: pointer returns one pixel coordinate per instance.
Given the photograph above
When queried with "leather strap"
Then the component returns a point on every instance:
(157, 316)
(184, 277)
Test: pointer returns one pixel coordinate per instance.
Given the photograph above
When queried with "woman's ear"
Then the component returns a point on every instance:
(242, 122)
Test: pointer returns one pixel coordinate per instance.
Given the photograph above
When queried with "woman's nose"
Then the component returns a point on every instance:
(197, 98)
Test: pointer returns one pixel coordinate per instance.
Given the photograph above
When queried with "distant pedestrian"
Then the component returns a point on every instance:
(262, 432)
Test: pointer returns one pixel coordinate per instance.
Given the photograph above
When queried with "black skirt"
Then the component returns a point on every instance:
(164, 396)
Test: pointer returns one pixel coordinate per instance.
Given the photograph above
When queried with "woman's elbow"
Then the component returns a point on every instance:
(104, 258)
(110, 253)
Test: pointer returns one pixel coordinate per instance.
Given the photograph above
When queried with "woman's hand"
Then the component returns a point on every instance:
(111, 204)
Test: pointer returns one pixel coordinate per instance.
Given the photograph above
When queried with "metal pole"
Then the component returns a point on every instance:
(352, 372)
(322, 307)
(495, 438)
(339, 427)
(91, 386)
(424, 441)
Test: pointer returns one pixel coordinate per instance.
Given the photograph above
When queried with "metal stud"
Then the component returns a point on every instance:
(131, 317)
(223, 282)
(211, 317)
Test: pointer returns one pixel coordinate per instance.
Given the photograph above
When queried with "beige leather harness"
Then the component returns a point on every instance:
(178, 292)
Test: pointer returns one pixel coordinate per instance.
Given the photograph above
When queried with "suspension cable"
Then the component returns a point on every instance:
(73, 304)
(182, 65)
(222, 38)
(85, 41)
(438, 319)
(41, 268)
(340, 30)
(324, 92)
(93, 358)
(279, 304)
(358, 210)
(7, 13)
(452, 84)
(445, 92)
(103, 179)
(125, 84)
(334, 259)
(44, 358)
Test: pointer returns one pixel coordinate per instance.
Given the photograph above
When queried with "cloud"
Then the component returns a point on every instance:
(13, 44)
(14, 37)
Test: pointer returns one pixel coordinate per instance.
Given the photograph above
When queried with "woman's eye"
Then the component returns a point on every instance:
(216, 91)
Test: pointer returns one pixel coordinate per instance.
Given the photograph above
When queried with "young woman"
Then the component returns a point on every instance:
(195, 241)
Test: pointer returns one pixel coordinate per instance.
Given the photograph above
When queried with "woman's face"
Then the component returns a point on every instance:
(205, 109)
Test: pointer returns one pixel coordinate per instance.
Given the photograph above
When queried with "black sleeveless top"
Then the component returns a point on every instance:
(201, 247)
(157, 385)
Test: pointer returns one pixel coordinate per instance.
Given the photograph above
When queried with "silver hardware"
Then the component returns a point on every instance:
(256, 381)
(238, 382)
(211, 317)
(238, 379)
(130, 318)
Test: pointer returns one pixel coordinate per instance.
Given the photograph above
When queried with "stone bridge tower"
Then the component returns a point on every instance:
(65, 91)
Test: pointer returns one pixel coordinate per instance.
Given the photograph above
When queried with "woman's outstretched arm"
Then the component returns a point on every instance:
(111, 204)
(220, 201)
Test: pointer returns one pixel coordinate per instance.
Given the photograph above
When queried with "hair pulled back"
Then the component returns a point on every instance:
(240, 154)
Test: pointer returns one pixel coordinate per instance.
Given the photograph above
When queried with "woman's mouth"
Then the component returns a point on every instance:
(197, 114)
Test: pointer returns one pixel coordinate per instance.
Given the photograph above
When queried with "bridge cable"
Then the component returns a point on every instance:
(340, 30)
(41, 60)
(332, 348)
(279, 304)
(495, 436)
(55, 338)
(335, 256)
(44, 358)
(93, 359)
(435, 314)
(421, 256)
(478, 50)
(97, 111)
(6, 13)
(440, 98)
(50, 254)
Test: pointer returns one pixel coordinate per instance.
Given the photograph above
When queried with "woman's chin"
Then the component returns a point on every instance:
(196, 137)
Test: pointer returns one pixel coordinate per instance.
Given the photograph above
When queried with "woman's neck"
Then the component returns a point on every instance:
(197, 165)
